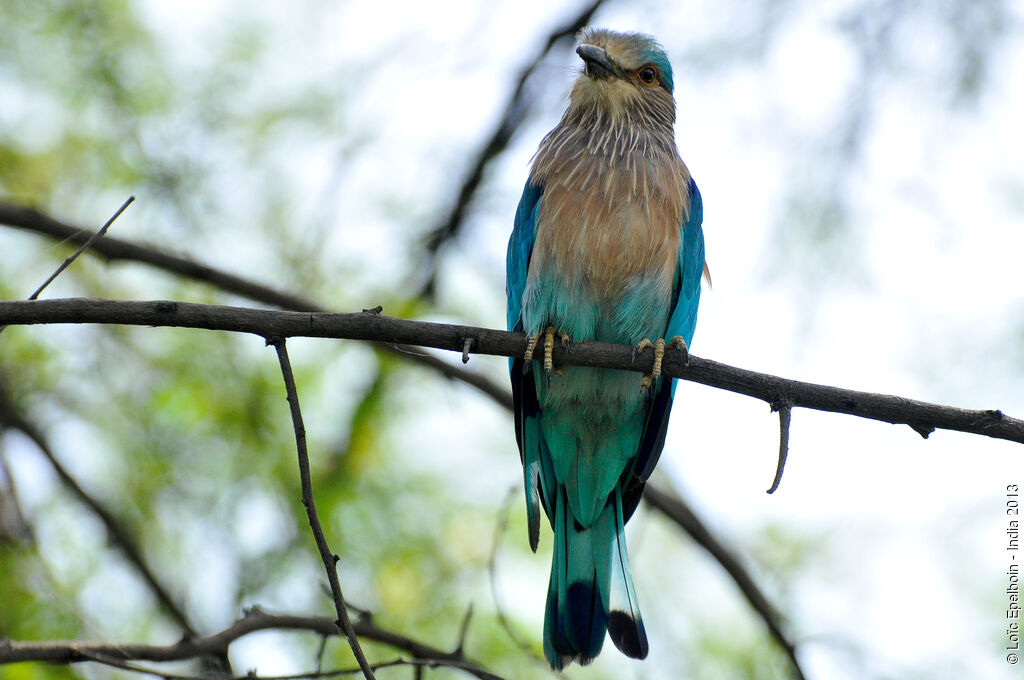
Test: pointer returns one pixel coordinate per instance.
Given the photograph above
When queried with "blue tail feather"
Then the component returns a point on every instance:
(579, 593)
(625, 625)
(556, 646)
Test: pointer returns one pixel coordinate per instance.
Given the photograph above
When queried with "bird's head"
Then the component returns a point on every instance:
(623, 71)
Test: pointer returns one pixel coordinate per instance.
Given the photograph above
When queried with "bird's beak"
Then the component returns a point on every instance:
(597, 61)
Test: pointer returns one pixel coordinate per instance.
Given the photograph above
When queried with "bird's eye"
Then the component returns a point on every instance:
(647, 75)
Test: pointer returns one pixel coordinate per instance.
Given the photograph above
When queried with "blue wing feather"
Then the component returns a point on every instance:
(686, 295)
(520, 247)
(524, 390)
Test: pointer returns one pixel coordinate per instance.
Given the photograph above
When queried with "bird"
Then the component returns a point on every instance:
(607, 245)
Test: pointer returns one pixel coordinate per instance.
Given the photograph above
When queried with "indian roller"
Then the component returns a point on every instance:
(607, 245)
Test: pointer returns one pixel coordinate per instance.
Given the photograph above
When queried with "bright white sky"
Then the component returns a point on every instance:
(923, 300)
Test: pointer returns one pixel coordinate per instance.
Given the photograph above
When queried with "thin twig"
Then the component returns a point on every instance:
(112, 249)
(785, 415)
(464, 629)
(330, 559)
(320, 650)
(84, 247)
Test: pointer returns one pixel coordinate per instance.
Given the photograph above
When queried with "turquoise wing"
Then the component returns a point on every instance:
(526, 408)
(520, 247)
(691, 267)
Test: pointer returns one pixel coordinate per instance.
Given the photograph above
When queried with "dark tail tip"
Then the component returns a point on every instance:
(586, 620)
(628, 635)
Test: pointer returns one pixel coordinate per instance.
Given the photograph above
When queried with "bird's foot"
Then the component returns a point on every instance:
(677, 342)
(549, 345)
(659, 346)
(531, 346)
(659, 351)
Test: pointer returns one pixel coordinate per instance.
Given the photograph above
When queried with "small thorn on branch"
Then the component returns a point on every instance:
(466, 346)
(922, 429)
(785, 410)
(374, 310)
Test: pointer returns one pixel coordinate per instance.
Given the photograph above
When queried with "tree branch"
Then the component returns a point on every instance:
(923, 417)
(114, 249)
(330, 560)
(416, 664)
(64, 652)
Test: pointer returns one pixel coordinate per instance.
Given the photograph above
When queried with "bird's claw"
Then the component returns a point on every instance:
(659, 346)
(549, 345)
(677, 342)
(659, 351)
(531, 345)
